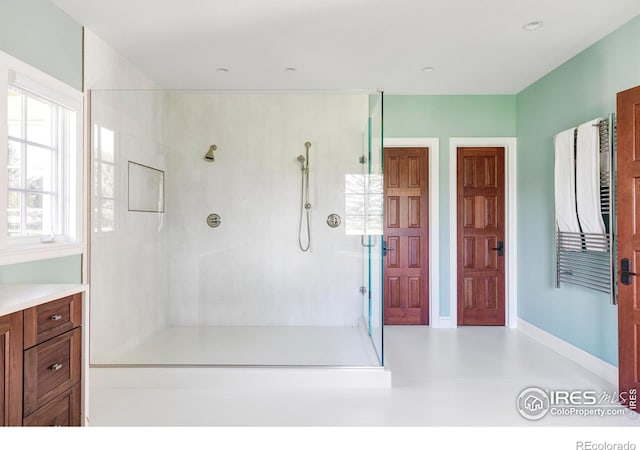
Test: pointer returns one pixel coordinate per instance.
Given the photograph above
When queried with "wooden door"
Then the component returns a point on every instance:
(628, 223)
(11, 369)
(481, 232)
(406, 231)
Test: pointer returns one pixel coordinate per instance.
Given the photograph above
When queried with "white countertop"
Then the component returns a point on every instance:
(16, 297)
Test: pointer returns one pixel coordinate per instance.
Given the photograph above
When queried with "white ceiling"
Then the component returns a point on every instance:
(476, 46)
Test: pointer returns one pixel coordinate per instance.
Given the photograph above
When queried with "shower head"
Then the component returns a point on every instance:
(209, 156)
(301, 159)
(304, 162)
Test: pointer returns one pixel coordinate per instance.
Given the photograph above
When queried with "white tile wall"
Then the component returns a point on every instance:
(250, 271)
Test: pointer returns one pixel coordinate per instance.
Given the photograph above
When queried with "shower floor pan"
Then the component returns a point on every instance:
(253, 346)
(239, 357)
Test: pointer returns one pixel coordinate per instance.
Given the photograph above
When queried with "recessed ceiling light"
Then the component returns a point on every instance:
(532, 25)
(290, 69)
(223, 70)
(428, 69)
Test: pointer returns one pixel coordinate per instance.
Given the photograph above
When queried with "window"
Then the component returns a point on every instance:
(40, 206)
(41, 139)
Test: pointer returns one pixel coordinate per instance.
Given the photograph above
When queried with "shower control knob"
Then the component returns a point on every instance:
(214, 220)
(333, 220)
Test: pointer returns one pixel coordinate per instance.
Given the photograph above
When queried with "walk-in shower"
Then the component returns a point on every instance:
(305, 206)
(169, 288)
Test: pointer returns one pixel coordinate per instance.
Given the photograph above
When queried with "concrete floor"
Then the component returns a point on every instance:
(470, 376)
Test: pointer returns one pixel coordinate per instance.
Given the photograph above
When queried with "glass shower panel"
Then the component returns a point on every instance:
(374, 227)
(199, 208)
(128, 257)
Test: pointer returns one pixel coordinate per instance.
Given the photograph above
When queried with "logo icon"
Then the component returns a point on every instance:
(533, 403)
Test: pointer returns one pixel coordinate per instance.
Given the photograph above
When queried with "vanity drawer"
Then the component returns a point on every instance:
(50, 369)
(51, 319)
(63, 411)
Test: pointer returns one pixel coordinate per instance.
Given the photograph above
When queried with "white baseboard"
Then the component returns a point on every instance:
(592, 363)
(444, 322)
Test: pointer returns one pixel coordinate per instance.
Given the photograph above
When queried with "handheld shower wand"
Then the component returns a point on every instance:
(304, 192)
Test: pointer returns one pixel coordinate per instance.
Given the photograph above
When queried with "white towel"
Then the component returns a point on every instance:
(588, 180)
(565, 183)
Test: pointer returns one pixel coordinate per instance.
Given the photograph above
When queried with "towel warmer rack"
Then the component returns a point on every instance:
(588, 259)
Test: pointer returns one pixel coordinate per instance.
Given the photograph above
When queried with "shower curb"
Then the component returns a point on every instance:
(208, 377)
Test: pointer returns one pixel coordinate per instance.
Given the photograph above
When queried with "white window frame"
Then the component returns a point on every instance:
(17, 250)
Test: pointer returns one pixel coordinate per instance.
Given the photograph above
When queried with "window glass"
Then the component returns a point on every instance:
(14, 165)
(39, 121)
(14, 210)
(14, 109)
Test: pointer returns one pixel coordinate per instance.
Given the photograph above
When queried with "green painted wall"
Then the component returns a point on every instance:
(444, 117)
(40, 34)
(581, 89)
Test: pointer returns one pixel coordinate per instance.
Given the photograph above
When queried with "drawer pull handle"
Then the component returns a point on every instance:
(55, 317)
(55, 367)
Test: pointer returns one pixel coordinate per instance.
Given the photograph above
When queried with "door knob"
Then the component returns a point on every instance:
(625, 271)
(385, 248)
(499, 248)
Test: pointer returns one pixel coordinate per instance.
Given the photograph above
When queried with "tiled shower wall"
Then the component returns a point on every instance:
(250, 270)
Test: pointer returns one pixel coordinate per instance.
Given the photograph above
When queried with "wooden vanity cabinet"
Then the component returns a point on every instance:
(41, 364)
(11, 369)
